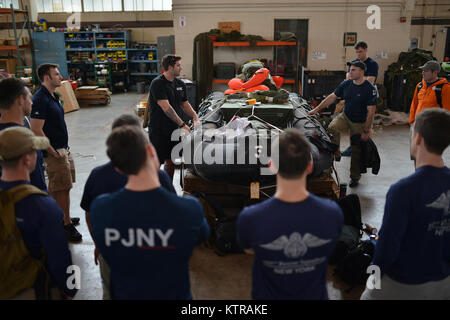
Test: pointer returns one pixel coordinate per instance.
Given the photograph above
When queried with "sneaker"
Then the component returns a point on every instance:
(75, 221)
(72, 234)
(347, 152)
(353, 183)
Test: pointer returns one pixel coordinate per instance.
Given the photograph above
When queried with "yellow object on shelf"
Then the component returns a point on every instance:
(43, 24)
(251, 101)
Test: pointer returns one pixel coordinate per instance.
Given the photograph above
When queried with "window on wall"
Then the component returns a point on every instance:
(7, 4)
(147, 5)
(97, 5)
(58, 5)
(102, 5)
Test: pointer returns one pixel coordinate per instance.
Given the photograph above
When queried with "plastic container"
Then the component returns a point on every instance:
(140, 87)
(143, 67)
(225, 70)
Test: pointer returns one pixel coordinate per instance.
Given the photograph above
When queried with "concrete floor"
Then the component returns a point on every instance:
(88, 129)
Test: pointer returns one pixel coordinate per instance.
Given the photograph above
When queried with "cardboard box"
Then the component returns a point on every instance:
(67, 97)
(9, 65)
(227, 27)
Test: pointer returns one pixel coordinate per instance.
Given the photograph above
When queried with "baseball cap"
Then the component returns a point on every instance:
(358, 63)
(431, 65)
(17, 141)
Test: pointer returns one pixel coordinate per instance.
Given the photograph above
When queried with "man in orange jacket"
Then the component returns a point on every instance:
(431, 92)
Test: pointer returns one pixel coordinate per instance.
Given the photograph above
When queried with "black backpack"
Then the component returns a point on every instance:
(353, 267)
(225, 239)
(351, 231)
(223, 229)
(351, 255)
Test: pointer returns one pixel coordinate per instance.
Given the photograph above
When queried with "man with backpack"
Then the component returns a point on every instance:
(293, 233)
(431, 92)
(15, 104)
(413, 249)
(34, 251)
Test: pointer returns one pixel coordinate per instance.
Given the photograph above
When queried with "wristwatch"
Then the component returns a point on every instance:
(366, 131)
(182, 125)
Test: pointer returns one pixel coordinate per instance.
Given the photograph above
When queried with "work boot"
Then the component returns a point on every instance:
(72, 234)
(337, 156)
(353, 183)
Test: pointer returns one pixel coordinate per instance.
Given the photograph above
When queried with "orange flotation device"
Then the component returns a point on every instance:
(230, 91)
(254, 84)
(236, 84)
(278, 81)
(260, 87)
(258, 78)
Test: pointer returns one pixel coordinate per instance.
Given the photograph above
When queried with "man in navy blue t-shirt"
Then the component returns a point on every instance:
(293, 233)
(371, 75)
(47, 120)
(360, 104)
(15, 104)
(413, 250)
(145, 233)
(105, 179)
(38, 217)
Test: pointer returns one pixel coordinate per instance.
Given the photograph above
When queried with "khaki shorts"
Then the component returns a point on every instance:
(61, 171)
(105, 273)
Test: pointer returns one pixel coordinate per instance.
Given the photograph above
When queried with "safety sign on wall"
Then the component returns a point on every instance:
(182, 21)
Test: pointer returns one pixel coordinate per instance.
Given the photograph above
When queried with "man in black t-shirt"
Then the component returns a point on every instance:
(167, 102)
(360, 103)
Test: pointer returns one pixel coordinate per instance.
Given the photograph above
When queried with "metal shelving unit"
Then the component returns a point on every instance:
(24, 27)
(83, 49)
(143, 65)
(95, 43)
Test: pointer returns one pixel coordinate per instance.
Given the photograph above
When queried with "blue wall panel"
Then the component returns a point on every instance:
(49, 47)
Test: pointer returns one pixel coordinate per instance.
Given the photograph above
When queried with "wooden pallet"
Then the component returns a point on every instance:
(235, 196)
(90, 95)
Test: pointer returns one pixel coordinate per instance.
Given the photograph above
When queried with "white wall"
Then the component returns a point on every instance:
(431, 37)
(328, 20)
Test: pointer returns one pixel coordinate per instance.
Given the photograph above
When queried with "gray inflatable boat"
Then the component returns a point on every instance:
(233, 143)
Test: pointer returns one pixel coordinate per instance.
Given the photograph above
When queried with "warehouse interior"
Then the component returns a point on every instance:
(108, 53)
